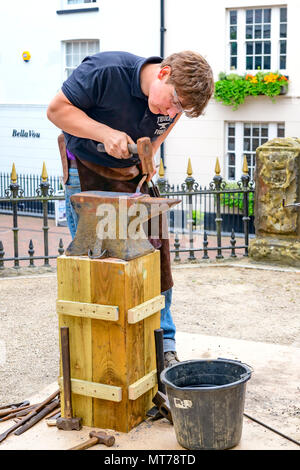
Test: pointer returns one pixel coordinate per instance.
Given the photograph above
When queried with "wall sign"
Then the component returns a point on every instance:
(26, 134)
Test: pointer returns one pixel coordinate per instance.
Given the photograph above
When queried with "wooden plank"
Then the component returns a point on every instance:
(135, 337)
(144, 310)
(73, 278)
(109, 342)
(142, 386)
(88, 310)
(151, 289)
(92, 389)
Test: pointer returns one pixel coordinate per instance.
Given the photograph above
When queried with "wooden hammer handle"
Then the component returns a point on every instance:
(85, 445)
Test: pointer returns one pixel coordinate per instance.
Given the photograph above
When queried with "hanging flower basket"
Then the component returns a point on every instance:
(232, 89)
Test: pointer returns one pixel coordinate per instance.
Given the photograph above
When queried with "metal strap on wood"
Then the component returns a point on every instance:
(142, 385)
(95, 390)
(146, 309)
(87, 310)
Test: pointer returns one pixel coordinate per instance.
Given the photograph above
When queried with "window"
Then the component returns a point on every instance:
(258, 39)
(243, 139)
(76, 51)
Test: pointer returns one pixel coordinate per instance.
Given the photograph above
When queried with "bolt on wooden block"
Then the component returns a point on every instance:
(110, 357)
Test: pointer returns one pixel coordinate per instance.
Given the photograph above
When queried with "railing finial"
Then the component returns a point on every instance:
(44, 173)
(217, 167)
(189, 168)
(245, 166)
(13, 175)
(161, 170)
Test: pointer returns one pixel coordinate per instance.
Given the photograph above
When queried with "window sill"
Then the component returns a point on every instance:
(76, 10)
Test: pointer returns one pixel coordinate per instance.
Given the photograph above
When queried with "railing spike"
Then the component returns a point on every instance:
(13, 175)
(189, 168)
(61, 249)
(161, 170)
(245, 166)
(44, 173)
(217, 167)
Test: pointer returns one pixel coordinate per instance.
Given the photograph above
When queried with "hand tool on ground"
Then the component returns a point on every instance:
(162, 409)
(99, 437)
(52, 421)
(143, 148)
(38, 417)
(162, 403)
(54, 414)
(118, 241)
(67, 422)
(15, 405)
(6, 411)
(17, 414)
(29, 416)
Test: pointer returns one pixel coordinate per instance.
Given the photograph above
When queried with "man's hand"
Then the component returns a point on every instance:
(116, 143)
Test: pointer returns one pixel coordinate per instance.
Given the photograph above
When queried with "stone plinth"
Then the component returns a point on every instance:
(277, 179)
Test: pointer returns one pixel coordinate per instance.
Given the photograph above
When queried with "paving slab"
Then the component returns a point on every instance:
(272, 396)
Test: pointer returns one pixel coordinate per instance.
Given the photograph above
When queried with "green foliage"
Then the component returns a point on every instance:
(232, 89)
(237, 200)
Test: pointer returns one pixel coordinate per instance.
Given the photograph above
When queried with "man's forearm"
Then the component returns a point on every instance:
(76, 122)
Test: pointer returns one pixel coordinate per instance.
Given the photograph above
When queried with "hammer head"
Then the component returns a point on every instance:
(69, 424)
(103, 438)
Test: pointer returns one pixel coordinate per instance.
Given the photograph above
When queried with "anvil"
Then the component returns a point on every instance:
(110, 224)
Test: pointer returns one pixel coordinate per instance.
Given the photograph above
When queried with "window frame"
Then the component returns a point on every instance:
(242, 42)
(273, 131)
(66, 67)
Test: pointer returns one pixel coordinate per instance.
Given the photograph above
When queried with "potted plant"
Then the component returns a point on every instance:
(232, 89)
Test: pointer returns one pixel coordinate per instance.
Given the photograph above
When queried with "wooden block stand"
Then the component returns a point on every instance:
(112, 308)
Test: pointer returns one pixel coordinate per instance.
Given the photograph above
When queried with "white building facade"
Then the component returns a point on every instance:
(233, 35)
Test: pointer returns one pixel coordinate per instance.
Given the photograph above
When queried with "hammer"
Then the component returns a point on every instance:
(143, 148)
(68, 422)
(96, 438)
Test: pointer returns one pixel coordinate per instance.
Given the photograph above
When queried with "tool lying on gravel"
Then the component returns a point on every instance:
(67, 422)
(51, 420)
(162, 408)
(38, 417)
(143, 148)
(96, 437)
(162, 403)
(15, 413)
(15, 405)
(28, 417)
(7, 411)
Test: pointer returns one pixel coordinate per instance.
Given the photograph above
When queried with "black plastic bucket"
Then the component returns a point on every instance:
(207, 402)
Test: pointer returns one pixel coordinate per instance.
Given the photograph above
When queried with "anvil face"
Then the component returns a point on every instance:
(110, 224)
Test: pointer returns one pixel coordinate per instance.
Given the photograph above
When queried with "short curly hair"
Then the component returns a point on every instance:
(193, 80)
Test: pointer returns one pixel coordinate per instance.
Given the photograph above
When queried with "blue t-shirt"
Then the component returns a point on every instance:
(106, 86)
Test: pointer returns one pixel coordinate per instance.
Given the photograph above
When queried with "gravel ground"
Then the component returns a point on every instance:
(235, 302)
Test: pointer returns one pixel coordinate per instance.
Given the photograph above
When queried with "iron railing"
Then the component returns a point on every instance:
(30, 184)
(203, 212)
(193, 225)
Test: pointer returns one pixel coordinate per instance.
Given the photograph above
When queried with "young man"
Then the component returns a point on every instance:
(116, 98)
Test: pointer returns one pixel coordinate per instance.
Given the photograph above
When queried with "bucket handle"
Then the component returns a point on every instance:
(239, 362)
